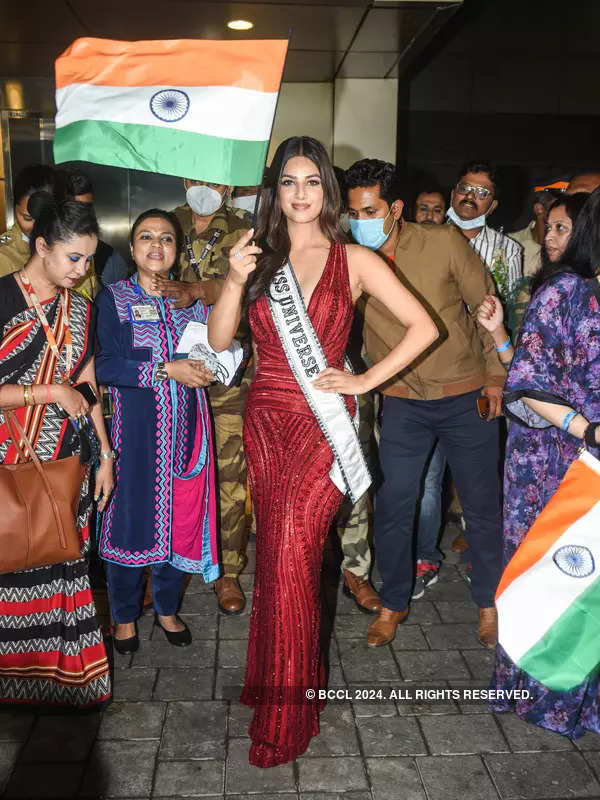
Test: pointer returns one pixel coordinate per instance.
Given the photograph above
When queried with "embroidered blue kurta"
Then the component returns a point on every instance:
(153, 434)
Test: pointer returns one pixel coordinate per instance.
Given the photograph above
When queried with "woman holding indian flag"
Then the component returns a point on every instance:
(552, 394)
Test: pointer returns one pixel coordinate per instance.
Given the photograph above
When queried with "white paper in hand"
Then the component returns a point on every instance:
(194, 344)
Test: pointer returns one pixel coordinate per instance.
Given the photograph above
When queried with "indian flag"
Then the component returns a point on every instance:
(193, 108)
(548, 598)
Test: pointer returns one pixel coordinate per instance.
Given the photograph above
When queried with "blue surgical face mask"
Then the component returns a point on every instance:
(369, 232)
(465, 224)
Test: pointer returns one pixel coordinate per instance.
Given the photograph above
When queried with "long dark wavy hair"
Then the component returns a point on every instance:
(272, 231)
(576, 257)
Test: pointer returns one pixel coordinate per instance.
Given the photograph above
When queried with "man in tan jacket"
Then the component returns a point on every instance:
(435, 399)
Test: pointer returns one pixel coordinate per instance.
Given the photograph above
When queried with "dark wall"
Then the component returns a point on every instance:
(517, 83)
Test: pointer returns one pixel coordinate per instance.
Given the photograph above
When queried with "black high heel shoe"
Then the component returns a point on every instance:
(177, 638)
(127, 647)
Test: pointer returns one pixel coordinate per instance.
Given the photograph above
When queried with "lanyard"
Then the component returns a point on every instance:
(214, 238)
(48, 330)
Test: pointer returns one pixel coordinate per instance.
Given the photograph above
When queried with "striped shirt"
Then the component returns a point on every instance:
(503, 257)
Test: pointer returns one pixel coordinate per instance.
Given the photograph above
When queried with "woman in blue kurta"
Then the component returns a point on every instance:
(555, 371)
(162, 512)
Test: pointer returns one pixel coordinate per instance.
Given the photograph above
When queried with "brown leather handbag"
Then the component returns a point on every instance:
(38, 507)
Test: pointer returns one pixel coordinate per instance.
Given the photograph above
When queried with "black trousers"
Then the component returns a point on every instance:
(409, 431)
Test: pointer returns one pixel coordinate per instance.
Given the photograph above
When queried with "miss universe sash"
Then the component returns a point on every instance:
(306, 359)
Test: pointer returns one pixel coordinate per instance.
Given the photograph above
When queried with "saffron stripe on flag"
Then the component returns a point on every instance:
(558, 516)
(155, 149)
(252, 64)
(223, 111)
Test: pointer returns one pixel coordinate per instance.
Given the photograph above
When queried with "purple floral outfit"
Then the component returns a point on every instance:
(557, 360)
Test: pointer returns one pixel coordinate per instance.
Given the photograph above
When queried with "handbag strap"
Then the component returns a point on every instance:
(11, 420)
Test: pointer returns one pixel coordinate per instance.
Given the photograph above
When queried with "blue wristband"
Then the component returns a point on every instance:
(567, 420)
(504, 346)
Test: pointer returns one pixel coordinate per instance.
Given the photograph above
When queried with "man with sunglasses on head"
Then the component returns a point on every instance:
(473, 199)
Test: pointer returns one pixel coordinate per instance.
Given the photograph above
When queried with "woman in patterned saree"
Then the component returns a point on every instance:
(51, 648)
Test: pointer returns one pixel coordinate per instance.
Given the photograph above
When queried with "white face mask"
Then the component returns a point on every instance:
(465, 224)
(204, 200)
(246, 202)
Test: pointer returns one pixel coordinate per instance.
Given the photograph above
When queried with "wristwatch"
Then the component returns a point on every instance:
(589, 436)
(160, 372)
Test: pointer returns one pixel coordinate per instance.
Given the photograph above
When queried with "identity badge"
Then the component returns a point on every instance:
(143, 312)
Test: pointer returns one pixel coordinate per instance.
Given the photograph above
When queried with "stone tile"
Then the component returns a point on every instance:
(352, 626)
(229, 682)
(332, 774)
(134, 684)
(480, 663)
(524, 737)
(237, 627)
(395, 779)
(337, 735)
(410, 637)
(343, 605)
(521, 776)
(593, 759)
(203, 604)
(452, 636)
(332, 656)
(159, 653)
(196, 585)
(243, 777)
(9, 752)
(457, 611)
(120, 769)
(422, 612)
(336, 678)
(232, 653)
(589, 741)
(365, 707)
(335, 796)
(456, 778)
(450, 591)
(194, 730)
(15, 725)
(44, 781)
(132, 721)
(441, 665)
(463, 735)
(186, 683)
(61, 738)
(362, 663)
(391, 736)
(247, 582)
(189, 778)
(145, 626)
(239, 719)
(201, 626)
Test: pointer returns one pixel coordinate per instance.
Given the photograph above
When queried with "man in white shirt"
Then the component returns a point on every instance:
(472, 200)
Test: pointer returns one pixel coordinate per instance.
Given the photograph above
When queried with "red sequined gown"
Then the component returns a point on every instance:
(295, 503)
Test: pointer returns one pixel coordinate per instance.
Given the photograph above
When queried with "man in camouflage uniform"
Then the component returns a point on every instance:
(203, 267)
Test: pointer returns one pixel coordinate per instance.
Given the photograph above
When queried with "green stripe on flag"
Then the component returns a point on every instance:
(168, 151)
(570, 650)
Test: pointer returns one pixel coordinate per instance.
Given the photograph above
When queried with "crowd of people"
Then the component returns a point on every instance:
(452, 342)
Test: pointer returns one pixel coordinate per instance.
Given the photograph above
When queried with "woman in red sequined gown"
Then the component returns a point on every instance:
(288, 456)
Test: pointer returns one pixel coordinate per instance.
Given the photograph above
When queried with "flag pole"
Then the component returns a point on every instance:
(260, 188)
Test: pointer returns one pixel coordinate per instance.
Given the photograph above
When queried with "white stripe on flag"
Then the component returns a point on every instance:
(223, 111)
(539, 596)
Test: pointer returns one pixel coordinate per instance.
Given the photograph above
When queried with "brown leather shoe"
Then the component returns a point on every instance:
(364, 594)
(487, 633)
(460, 544)
(230, 596)
(383, 630)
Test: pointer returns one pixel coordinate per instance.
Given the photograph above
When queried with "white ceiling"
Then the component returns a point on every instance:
(329, 38)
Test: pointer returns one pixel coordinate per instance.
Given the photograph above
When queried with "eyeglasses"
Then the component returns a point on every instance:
(480, 192)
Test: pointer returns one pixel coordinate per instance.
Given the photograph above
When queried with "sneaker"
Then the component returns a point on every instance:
(465, 571)
(427, 575)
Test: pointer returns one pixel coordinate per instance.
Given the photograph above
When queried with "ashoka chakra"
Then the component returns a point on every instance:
(574, 560)
(170, 105)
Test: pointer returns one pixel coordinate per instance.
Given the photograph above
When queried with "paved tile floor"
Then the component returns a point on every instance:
(176, 730)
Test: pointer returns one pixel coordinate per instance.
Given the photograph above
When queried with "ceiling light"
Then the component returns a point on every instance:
(240, 25)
